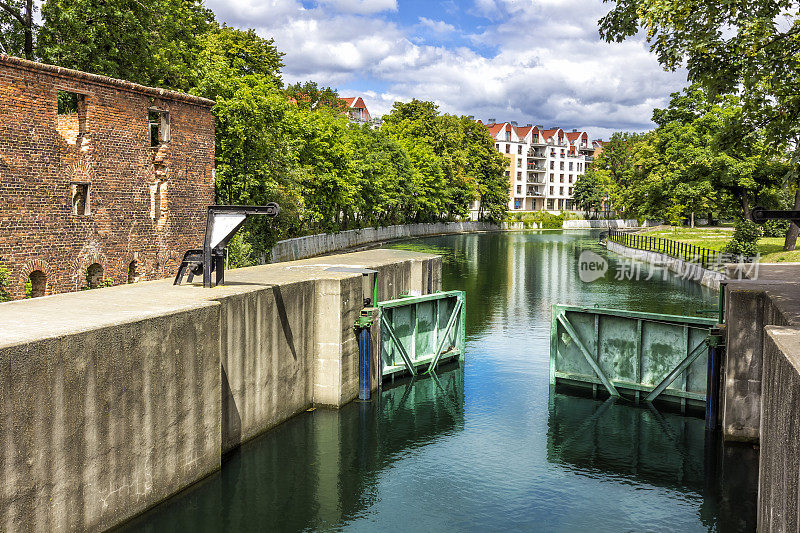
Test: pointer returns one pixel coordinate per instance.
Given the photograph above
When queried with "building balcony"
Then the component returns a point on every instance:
(536, 168)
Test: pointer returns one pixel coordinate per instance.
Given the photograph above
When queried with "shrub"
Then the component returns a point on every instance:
(4, 294)
(775, 228)
(745, 238)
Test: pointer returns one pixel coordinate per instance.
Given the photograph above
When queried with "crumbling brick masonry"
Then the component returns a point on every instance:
(102, 181)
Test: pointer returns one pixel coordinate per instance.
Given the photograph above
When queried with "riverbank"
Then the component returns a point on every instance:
(715, 238)
(351, 240)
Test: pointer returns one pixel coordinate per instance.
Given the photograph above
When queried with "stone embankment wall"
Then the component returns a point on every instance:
(595, 224)
(115, 399)
(325, 243)
(692, 271)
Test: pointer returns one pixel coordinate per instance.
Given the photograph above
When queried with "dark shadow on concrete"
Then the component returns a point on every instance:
(231, 420)
(287, 329)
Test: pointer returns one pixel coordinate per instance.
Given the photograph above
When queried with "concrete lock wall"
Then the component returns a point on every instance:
(779, 454)
(114, 399)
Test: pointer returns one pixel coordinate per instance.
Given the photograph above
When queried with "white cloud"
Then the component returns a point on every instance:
(362, 7)
(437, 26)
(540, 63)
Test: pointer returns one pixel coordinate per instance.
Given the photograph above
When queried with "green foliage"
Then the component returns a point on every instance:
(701, 159)
(593, 190)
(17, 27)
(293, 146)
(311, 97)
(745, 238)
(540, 219)
(4, 284)
(775, 228)
(153, 42)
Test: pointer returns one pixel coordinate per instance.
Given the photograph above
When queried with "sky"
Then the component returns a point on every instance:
(530, 61)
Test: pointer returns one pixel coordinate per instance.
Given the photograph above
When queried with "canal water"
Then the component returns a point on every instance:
(486, 445)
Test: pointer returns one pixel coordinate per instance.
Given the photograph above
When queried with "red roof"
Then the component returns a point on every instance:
(494, 129)
(546, 134)
(357, 103)
(523, 131)
(572, 135)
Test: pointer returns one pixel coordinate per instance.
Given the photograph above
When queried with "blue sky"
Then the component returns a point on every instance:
(533, 61)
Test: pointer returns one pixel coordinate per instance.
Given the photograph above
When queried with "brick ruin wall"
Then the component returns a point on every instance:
(146, 205)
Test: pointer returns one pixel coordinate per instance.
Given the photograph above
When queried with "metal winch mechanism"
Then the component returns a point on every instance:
(222, 223)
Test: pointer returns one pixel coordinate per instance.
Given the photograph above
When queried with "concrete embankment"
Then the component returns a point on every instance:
(688, 270)
(115, 399)
(325, 243)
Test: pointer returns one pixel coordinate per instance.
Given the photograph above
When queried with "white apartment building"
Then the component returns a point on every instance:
(543, 164)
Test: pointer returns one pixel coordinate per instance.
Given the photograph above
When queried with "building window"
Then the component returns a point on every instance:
(94, 276)
(497, 147)
(508, 136)
(561, 166)
(550, 204)
(159, 126)
(508, 173)
(561, 191)
(551, 189)
(570, 165)
(508, 148)
(80, 199)
(551, 177)
(133, 275)
(519, 189)
(36, 284)
(570, 178)
(570, 191)
(519, 149)
(562, 152)
(519, 176)
(561, 178)
(552, 165)
(517, 203)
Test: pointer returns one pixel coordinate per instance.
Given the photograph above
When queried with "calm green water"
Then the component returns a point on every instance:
(488, 446)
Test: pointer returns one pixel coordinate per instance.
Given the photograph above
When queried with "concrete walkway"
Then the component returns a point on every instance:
(23, 321)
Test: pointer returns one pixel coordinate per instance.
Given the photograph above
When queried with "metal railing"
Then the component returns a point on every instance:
(706, 257)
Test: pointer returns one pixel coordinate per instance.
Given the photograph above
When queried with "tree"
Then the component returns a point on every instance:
(153, 42)
(746, 47)
(17, 27)
(310, 96)
(592, 190)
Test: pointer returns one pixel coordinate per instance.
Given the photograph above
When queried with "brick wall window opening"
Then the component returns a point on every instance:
(71, 122)
(133, 275)
(36, 284)
(80, 199)
(94, 276)
(159, 126)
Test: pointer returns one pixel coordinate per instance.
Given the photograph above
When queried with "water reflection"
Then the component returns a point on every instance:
(640, 444)
(318, 470)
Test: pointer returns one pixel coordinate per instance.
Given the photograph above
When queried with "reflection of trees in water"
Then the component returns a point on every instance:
(320, 469)
(661, 449)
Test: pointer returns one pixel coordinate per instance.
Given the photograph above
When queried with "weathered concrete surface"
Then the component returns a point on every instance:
(116, 398)
(325, 243)
(691, 271)
(750, 305)
(779, 457)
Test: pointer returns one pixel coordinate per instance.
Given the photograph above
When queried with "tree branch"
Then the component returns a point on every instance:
(11, 11)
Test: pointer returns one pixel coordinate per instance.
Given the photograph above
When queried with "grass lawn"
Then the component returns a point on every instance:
(771, 248)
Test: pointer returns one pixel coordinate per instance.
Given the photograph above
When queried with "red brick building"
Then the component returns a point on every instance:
(102, 181)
